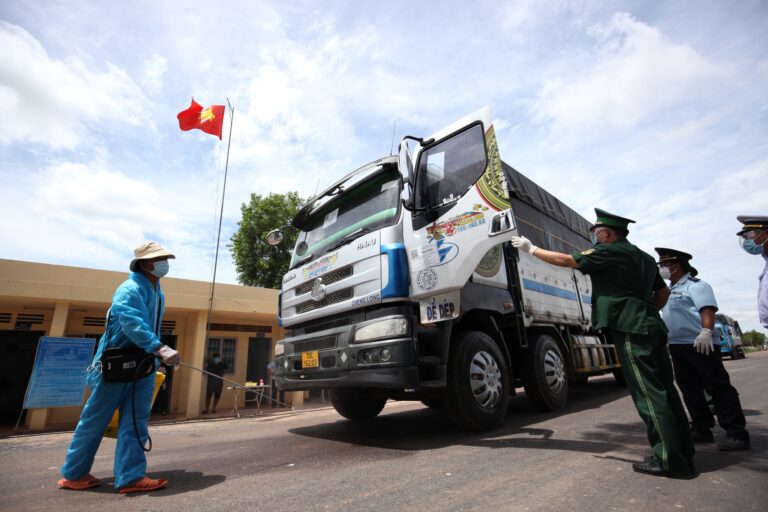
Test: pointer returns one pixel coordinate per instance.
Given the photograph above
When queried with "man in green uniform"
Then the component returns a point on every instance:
(628, 293)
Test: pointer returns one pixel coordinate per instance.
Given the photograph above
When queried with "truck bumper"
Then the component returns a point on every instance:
(380, 378)
(384, 363)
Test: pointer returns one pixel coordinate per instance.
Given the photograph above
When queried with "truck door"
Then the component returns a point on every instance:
(454, 220)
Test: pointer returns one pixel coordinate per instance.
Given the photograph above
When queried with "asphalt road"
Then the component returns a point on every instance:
(412, 458)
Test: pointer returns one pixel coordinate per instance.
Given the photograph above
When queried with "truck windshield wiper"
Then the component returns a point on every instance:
(348, 238)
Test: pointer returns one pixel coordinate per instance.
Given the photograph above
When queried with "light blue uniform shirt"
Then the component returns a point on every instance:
(681, 314)
(762, 295)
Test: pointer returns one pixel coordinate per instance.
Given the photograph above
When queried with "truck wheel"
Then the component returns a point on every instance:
(356, 404)
(618, 374)
(546, 382)
(478, 382)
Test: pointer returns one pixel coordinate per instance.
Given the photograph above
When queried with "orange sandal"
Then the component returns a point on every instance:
(81, 484)
(144, 485)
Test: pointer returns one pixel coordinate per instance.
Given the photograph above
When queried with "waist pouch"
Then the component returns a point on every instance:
(126, 364)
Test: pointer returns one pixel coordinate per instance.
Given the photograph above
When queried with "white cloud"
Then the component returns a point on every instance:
(93, 216)
(635, 75)
(154, 69)
(53, 102)
(105, 205)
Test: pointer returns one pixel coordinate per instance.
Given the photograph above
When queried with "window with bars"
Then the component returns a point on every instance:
(227, 347)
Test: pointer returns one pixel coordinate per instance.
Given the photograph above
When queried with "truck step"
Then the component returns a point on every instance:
(429, 361)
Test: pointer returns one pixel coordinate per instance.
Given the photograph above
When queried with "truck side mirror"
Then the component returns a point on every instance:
(274, 237)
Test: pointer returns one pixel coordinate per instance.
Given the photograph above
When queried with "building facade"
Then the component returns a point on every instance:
(59, 301)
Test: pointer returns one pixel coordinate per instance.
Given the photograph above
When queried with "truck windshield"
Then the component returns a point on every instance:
(367, 206)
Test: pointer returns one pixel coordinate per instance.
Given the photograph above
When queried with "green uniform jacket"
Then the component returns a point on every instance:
(623, 281)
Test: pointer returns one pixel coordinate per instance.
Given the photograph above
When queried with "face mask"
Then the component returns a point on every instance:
(217, 360)
(665, 273)
(161, 268)
(750, 246)
(593, 238)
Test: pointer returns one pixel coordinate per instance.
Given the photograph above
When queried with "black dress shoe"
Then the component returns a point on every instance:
(732, 444)
(654, 469)
(702, 436)
(648, 467)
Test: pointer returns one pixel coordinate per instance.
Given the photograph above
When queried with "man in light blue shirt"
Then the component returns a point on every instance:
(753, 238)
(690, 318)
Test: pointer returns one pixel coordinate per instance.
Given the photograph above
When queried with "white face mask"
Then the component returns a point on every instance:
(665, 273)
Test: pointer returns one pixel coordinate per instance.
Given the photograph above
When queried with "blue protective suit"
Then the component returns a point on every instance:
(135, 316)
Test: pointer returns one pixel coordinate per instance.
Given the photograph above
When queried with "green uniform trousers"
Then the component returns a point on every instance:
(648, 372)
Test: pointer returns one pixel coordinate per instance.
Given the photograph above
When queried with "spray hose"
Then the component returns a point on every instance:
(236, 385)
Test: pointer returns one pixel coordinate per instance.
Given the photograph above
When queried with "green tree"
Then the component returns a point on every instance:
(753, 338)
(256, 262)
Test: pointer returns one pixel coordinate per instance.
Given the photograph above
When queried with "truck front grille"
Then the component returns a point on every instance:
(333, 298)
(315, 344)
(330, 277)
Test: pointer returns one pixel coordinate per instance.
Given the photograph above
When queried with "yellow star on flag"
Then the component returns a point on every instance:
(207, 115)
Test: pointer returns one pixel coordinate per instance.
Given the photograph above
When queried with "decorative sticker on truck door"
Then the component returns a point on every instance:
(438, 308)
(457, 224)
(427, 279)
(490, 265)
(492, 186)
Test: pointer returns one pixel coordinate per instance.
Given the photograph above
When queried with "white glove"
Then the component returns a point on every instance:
(168, 355)
(522, 243)
(703, 342)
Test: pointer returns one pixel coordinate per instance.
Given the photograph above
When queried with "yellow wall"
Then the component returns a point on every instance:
(65, 296)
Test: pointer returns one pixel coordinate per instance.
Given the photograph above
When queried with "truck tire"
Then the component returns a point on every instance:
(546, 381)
(356, 404)
(618, 374)
(478, 382)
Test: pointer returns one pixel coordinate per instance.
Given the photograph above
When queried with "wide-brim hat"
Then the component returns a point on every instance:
(667, 255)
(752, 222)
(149, 251)
(609, 220)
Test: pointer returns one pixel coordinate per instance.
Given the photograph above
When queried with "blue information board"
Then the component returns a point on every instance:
(58, 377)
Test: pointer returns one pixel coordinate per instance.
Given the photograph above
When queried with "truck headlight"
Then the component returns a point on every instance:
(279, 348)
(389, 328)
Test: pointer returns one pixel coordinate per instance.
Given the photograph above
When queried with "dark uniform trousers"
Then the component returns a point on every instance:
(696, 373)
(648, 373)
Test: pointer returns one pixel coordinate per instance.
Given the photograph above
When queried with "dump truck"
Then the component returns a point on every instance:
(403, 285)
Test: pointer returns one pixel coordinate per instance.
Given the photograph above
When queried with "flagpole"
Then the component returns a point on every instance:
(221, 216)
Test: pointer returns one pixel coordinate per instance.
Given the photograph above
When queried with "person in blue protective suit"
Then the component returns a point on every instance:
(134, 318)
(690, 318)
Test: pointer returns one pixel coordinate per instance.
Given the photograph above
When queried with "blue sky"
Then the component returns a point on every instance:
(656, 111)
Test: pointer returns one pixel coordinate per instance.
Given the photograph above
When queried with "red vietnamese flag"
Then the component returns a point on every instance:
(210, 120)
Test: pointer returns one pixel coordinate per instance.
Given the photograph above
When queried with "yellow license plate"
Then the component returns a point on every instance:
(310, 359)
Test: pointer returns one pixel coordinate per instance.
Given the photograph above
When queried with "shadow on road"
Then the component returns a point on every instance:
(428, 429)
(180, 481)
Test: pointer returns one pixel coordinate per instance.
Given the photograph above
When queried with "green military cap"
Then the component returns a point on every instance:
(674, 256)
(610, 220)
(752, 222)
